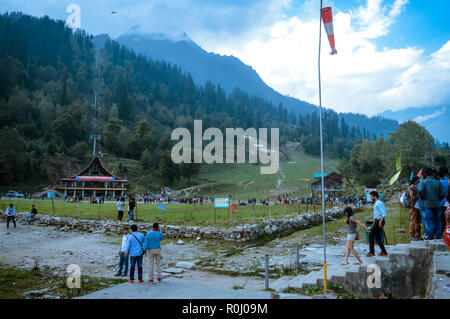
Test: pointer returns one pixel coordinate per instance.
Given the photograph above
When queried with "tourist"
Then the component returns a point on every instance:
(131, 206)
(153, 248)
(415, 220)
(10, 215)
(379, 215)
(120, 208)
(123, 260)
(352, 235)
(135, 250)
(443, 176)
(447, 225)
(432, 192)
(32, 214)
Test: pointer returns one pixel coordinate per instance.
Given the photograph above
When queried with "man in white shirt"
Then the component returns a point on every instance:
(123, 259)
(379, 215)
(11, 215)
(120, 208)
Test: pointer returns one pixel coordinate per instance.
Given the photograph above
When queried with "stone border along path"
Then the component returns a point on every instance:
(241, 233)
(404, 273)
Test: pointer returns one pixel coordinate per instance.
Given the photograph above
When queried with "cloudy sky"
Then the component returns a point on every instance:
(393, 54)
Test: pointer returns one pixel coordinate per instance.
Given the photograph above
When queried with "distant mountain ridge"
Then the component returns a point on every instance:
(228, 71)
(434, 119)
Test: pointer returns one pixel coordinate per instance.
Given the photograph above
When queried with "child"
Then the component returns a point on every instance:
(351, 222)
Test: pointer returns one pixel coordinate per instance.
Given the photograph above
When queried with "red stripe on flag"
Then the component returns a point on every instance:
(327, 15)
(331, 39)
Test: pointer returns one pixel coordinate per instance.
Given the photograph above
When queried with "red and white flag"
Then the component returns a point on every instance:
(327, 18)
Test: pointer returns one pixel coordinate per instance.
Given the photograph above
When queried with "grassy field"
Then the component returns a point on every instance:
(175, 214)
(244, 181)
(14, 283)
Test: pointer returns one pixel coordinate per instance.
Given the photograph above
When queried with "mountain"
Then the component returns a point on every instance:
(227, 71)
(434, 119)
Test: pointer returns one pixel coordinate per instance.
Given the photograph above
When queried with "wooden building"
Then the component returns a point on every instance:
(93, 181)
(332, 184)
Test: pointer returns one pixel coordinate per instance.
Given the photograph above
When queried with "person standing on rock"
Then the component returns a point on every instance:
(120, 208)
(352, 234)
(123, 260)
(152, 246)
(379, 215)
(415, 220)
(10, 215)
(135, 250)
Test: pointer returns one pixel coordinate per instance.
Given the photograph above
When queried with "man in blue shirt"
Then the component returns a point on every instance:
(153, 246)
(443, 175)
(432, 192)
(379, 214)
(135, 249)
(11, 215)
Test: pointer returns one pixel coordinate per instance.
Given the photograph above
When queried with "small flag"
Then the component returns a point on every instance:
(412, 175)
(420, 173)
(327, 18)
(161, 207)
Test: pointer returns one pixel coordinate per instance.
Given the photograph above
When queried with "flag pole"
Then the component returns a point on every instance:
(321, 161)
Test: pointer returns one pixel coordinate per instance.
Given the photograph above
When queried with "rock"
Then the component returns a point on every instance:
(173, 270)
(268, 230)
(185, 265)
(198, 238)
(180, 242)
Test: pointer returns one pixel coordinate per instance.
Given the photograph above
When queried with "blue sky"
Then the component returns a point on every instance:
(393, 54)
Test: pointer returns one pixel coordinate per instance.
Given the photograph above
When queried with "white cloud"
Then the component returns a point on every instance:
(421, 119)
(361, 78)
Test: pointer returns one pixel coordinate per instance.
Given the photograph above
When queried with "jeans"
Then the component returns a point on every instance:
(9, 218)
(434, 222)
(123, 260)
(133, 261)
(30, 218)
(130, 212)
(120, 215)
(375, 234)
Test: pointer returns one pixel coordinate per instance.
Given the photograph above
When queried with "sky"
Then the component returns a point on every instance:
(392, 54)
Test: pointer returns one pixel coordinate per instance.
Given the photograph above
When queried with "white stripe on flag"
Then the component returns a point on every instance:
(329, 28)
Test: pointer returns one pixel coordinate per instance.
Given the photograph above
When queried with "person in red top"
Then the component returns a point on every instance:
(447, 224)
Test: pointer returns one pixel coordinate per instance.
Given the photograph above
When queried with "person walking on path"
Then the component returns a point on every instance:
(120, 208)
(135, 250)
(352, 234)
(415, 220)
(152, 246)
(10, 215)
(32, 214)
(123, 260)
(432, 193)
(379, 215)
(131, 206)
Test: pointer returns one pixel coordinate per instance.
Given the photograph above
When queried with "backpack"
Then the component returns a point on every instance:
(405, 200)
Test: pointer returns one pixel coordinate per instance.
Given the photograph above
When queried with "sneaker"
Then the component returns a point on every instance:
(131, 281)
(140, 281)
(124, 275)
(117, 275)
(383, 254)
(159, 279)
(150, 281)
(370, 255)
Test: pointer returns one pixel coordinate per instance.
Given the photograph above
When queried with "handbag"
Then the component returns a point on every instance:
(357, 236)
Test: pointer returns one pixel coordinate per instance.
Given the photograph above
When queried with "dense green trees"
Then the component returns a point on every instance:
(48, 75)
(371, 161)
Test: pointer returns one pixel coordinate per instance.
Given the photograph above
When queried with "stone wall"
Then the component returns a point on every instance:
(239, 233)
